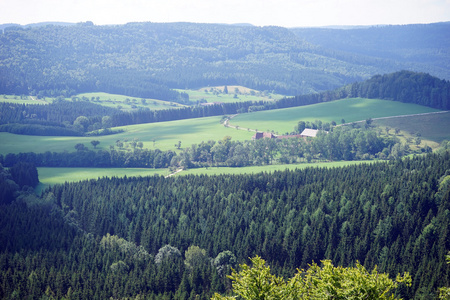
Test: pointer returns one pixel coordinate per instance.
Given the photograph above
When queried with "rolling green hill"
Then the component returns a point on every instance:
(164, 135)
(351, 110)
(127, 103)
(434, 127)
(235, 94)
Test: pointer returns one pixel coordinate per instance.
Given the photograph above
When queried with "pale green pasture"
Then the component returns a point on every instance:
(120, 101)
(243, 94)
(434, 127)
(351, 110)
(269, 168)
(163, 135)
(17, 99)
(52, 176)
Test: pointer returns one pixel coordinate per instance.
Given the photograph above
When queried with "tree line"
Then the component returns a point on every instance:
(19, 176)
(404, 86)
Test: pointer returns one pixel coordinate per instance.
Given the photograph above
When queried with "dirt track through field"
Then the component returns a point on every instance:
(399, 116)
(227, 121)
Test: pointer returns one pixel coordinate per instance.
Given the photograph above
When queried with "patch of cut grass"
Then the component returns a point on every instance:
(127, 103)
(434, 127)
(163, 136)
(52, 176)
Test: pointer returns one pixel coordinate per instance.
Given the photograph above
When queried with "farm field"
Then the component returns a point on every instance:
(127, 103)
(52, 176)
(268, 168)
(216, 94)
(435, 127)
(20, 100)
(351, 110)
(163, 136)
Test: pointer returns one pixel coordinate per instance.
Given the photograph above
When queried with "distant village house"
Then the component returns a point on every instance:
(268, 135)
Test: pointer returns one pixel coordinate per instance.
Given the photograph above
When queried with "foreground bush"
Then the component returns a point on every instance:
(326, 282)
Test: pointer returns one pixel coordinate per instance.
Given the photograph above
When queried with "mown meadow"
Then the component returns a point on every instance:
(349, 110)
(52, 176)
(166, 135)
(163, 136)
(235, 94)
(127, 103)
(434, 127)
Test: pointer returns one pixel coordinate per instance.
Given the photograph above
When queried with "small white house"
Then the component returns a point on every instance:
(309, 132)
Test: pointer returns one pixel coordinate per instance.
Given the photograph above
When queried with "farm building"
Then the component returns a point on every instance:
(263, 135)
(309, 132)
(267, 135)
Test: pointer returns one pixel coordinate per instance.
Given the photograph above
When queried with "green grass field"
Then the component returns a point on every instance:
(52, 176)
(351, 110)
(165, 135)
(435, 127)
(269, 168)
(127, 103)
(20, 100)
(162, 136)
(215, 94)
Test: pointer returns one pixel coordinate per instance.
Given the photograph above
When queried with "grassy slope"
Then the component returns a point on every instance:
(269, 168)
(51, 176)
(434, 127)
(351, 110)
(16, 100)
(244, 94)
(165, 134)
(114, 100)
(194, 131)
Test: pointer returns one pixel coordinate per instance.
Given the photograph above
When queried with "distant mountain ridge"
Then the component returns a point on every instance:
(416, 47)
(148, 59)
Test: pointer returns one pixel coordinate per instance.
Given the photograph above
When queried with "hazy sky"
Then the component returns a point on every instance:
(286, 13)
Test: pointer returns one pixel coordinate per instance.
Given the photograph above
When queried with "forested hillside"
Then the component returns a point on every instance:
(146, 59)
(165, 238)
(402, 86)
(416, 47)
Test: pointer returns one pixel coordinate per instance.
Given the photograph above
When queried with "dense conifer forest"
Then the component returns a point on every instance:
(180, 237)
(175, 238)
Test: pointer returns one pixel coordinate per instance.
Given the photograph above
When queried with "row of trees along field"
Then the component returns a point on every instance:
(343, 143)
(175, 238)
(81, 117)
(84, 118)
